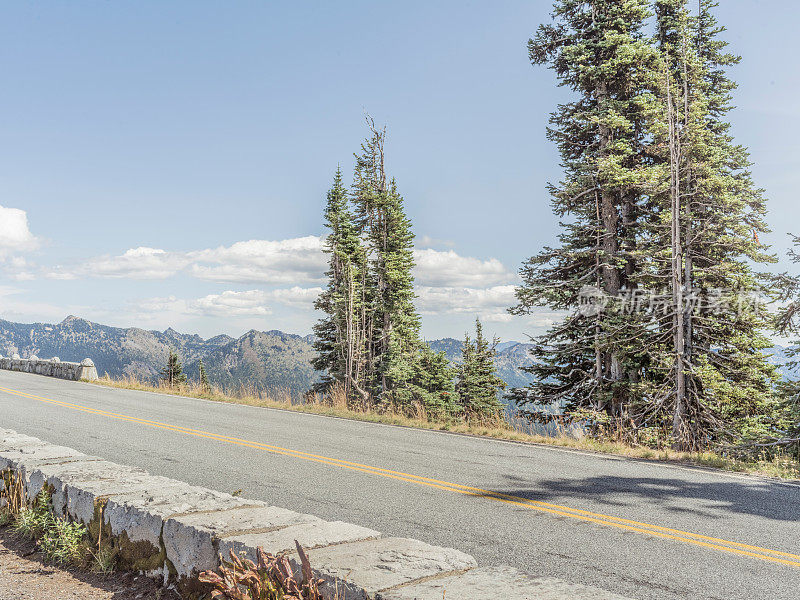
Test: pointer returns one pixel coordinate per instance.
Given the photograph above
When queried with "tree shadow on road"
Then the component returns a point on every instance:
(715, 500)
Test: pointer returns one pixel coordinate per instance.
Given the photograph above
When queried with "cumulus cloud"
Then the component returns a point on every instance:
(230, 303)
(447, 281)
(449, 269)
(284, 261)
(296, 260)
(483, 301)
(427, 241)
(274, 262)
(136, 263)
(15, 235)
(296, 296)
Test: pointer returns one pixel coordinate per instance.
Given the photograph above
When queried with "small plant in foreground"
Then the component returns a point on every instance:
(62, 542)
(33, 521)
(271, 579)
(104, 560)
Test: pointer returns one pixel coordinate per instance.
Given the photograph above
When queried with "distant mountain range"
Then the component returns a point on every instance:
(262, 360)
(259, 360)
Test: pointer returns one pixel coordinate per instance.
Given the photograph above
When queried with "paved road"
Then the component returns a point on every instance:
(641, 529)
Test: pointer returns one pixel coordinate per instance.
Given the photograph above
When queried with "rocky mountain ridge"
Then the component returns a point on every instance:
(260, 360)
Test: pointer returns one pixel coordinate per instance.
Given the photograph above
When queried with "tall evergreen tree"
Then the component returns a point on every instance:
(675, 214)
(702, 242)
(172, 374)
(391, 326)
(592, 361)
(368, 341)
(340, 337)
(477, 383)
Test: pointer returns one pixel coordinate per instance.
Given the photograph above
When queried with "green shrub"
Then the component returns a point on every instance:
(62, 542)
(33, 521)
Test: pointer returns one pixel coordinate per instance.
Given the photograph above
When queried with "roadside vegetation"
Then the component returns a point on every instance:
(65, 543)
(61, 541)
(270, 578)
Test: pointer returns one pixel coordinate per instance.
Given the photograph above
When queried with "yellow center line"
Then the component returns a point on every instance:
(555, 509)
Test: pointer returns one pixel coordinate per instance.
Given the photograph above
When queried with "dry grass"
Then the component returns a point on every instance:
(511, 429)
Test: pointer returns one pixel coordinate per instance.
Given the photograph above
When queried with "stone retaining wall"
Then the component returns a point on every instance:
(171, 530)
(52, 368)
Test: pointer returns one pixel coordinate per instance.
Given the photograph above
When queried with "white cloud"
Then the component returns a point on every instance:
(479, 301)
(449, 269)
(296, 260)
(15, 235)
(18, 269)
(427, 241)
(230, 304)
(274, 262)
(136, 263)
(296, 296)
(264, 261)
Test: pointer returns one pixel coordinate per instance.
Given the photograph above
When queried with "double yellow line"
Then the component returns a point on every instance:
(747, 550)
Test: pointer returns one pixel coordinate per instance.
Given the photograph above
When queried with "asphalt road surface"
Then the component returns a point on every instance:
(638, 528)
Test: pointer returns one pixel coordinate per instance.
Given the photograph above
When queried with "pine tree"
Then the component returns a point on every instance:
(477, 384)
(391, 324)
(432, 382)
(340, 337)
(172, 374)
(369, 340)
(709, 375)
(784, 430)
(205, 384)
(677, 216)
(592, 360)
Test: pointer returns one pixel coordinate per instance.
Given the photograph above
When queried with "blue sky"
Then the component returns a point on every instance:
(165, 163)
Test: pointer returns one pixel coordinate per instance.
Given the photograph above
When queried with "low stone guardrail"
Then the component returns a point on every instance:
(171, 530)
(51, 367)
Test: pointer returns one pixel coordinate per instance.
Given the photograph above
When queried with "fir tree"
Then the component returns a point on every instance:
(785, 423)
(172, 374)
(677, 214)
(205, 384)
(477, 384)
(368, 341)
(592, 361)
(340, 337)
(432, 382)
(391, 323)
(702, 242)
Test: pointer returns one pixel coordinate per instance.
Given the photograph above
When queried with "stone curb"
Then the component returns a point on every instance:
(172, 530)
(53, 367)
